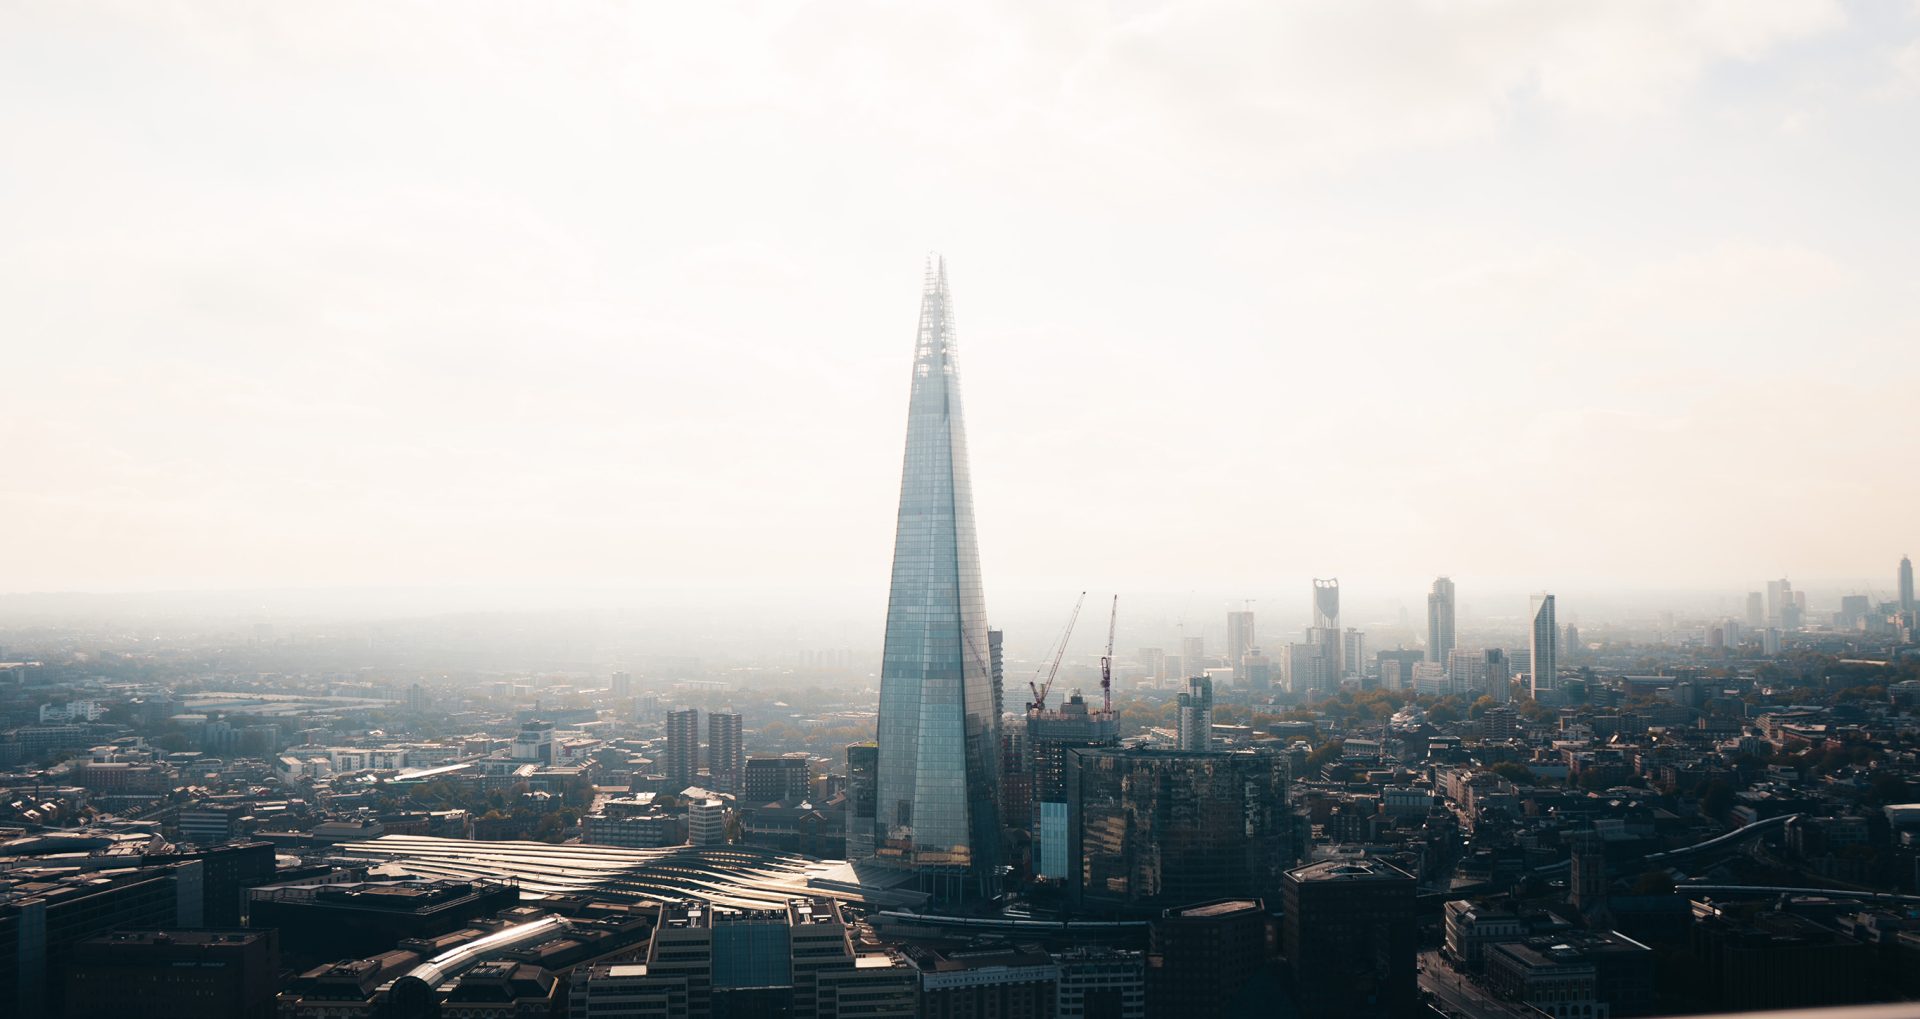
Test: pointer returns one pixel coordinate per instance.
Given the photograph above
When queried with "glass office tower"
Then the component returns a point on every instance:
(939, 733)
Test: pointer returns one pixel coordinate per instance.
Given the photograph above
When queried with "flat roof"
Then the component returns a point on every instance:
(1218, 908)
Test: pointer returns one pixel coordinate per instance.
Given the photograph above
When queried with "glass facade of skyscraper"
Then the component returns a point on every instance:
(938, 730)
(1148, 829)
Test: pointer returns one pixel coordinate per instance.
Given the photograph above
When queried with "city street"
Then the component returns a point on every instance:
(1461, 996)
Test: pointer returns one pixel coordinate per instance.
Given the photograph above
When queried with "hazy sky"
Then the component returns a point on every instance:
(623, 294)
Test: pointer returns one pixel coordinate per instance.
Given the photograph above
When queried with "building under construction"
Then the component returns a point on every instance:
(1050, 734)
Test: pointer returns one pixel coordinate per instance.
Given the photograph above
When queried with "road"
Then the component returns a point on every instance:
(1461, 996)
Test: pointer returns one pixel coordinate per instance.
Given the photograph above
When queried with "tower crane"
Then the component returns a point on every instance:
(1053, 668)
(1106, 660)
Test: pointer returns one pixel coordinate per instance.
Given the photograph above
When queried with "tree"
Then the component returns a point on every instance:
(1514, 771)
(1323, 754)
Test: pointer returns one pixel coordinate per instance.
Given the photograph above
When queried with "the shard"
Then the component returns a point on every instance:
(939, 733)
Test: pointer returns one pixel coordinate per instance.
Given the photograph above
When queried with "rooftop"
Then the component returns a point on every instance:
(1348, 870)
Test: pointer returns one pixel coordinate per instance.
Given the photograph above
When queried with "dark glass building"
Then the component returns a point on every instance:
(938, 729)
(1202, 957)
(1152, 829)
(227, 973)
(863, 779)
(1349, 935)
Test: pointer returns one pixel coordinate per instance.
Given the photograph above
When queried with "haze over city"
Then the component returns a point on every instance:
(1108, 509)
(606, 306)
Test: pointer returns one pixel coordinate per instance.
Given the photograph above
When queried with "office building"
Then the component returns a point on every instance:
(1440, 621)
(1101, 983)
(637, 822)
(1240, 638)
(1256, 671)
(176, 974)
(1349, 937)
(716, 962)
(683, 748)
(726, 752)
(1396, 667)
(1195, 715)
(226, 873)
(1202, 955)
(1149, 829)
(1756, 610)
(208, 824)
(1762, 959)
(1353, 652)
(534, 744)
(1784, 605)
(991, 981)
(863, 789)
(357, 919)
(1480, 672)
(1544, 648)
(787, 778)
(707, 822)
(1309, 670)
(1153, 662)
(1193, 655)
(1050, 735)
(46, 912)
(939, 730)
(620, 684)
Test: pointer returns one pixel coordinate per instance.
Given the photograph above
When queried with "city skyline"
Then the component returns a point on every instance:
(447, 568)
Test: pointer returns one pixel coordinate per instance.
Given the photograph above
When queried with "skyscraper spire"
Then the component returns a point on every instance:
(938, 731)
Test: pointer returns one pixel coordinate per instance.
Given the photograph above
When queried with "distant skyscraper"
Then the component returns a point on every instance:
(1440, 616)
(1480, 672)
(726, 750)
(683, 747)
(1779, 603)
(1353, 651)
(1326, 603)
(1154, 661)
(1240, 637)
(1326, 617)
(1193, 654)
(1309, 674)
(1906, 587)
(1756, 610)
(939, 730)
(1545, 645)
(621, 685)
(1256, 671)
(1328, 641)
(1196, 714)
